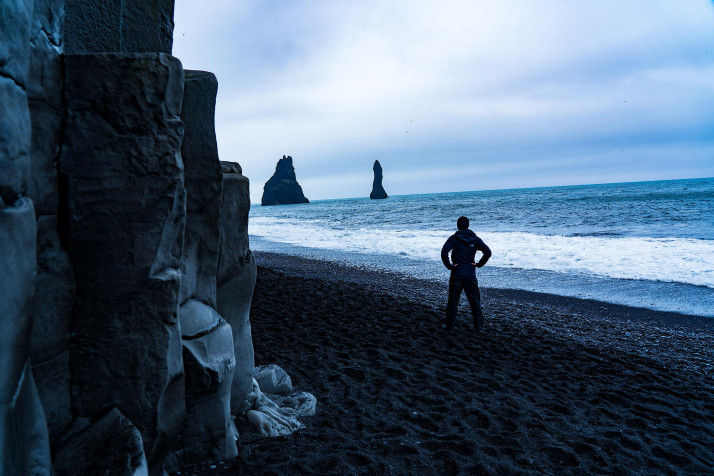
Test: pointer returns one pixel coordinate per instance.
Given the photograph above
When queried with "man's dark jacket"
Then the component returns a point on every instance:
(463, 246)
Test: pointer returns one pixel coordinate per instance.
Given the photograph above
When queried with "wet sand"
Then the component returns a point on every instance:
(554, 385)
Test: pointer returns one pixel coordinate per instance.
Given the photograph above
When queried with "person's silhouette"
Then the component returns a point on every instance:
(463, 246)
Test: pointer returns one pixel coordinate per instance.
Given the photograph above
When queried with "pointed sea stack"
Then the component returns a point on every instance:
(283, 188)
(378, 191)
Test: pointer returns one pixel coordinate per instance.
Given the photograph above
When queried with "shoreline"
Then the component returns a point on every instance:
(553, 385)
(665, 297)
(316, 268)
(670, 337)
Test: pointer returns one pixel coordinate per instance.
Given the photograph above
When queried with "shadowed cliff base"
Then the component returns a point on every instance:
(556, 385)
(283, 188)
(125, 272)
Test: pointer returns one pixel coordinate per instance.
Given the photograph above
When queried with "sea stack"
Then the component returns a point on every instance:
(378, 191)
(283, 188)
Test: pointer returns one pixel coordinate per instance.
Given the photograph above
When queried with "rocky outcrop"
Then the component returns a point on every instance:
(112, 445)
(378, 191)
(283, 188)
(52, 305)
(236, 279)
(24, 440)
(203, 183)
(275, 407)
(52, 308)
(125, 201)
(272, 379)
(15, 125)
(208, 433)
(44, 95)
(126, 26)
(123, 239)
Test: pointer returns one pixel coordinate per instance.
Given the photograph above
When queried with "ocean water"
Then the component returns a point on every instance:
(645, 244)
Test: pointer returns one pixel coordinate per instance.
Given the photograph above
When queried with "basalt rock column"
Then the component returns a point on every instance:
(44, 94)
(119, 26)
(52, 308)
(24, 443)
(203, 183)
(125, 203)
(236, 279)
(52, 303)
(15, 125)
(378, 191)
(283, 187)
(208, 433)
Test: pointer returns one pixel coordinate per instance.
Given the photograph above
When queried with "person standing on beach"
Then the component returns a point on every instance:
(463, 246)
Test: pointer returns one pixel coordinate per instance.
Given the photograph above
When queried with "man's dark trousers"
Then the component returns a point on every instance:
(470, 286)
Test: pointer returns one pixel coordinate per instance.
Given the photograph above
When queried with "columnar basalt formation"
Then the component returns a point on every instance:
(283, 188)
(15, 124)
(126, 203)
(203, 183)
(378, 191)
(124, 238)
(236, 279)
(207, 339)
(52, 305)
(24, 440)
(52, 309)
(119, 26)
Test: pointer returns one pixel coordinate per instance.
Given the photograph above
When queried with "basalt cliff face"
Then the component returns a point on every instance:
(378, 191)
(123, 244)
(283, 187)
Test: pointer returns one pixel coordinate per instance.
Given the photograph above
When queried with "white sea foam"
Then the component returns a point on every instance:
(679, 260)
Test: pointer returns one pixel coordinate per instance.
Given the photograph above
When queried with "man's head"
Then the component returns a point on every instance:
(462, 223)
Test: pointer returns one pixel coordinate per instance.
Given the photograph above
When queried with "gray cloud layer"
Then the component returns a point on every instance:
(458, 95)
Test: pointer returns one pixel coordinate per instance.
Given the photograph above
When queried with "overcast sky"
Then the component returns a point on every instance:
(457, 95)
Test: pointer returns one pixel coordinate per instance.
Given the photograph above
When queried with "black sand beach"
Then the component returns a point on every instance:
(554, 386)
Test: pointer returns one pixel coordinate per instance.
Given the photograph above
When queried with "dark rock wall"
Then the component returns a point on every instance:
(203, 187)
(24, 440)
(236, 278)
(378, 191)
(15, 124)
(44, 94)
(206, 337)
(52, 306)
(119, 26)
(123, 239)
(283, 188)
(112, 442)
(208, 431)
(126, 202)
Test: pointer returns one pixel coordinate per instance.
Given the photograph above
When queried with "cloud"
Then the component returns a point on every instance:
(427, 86)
